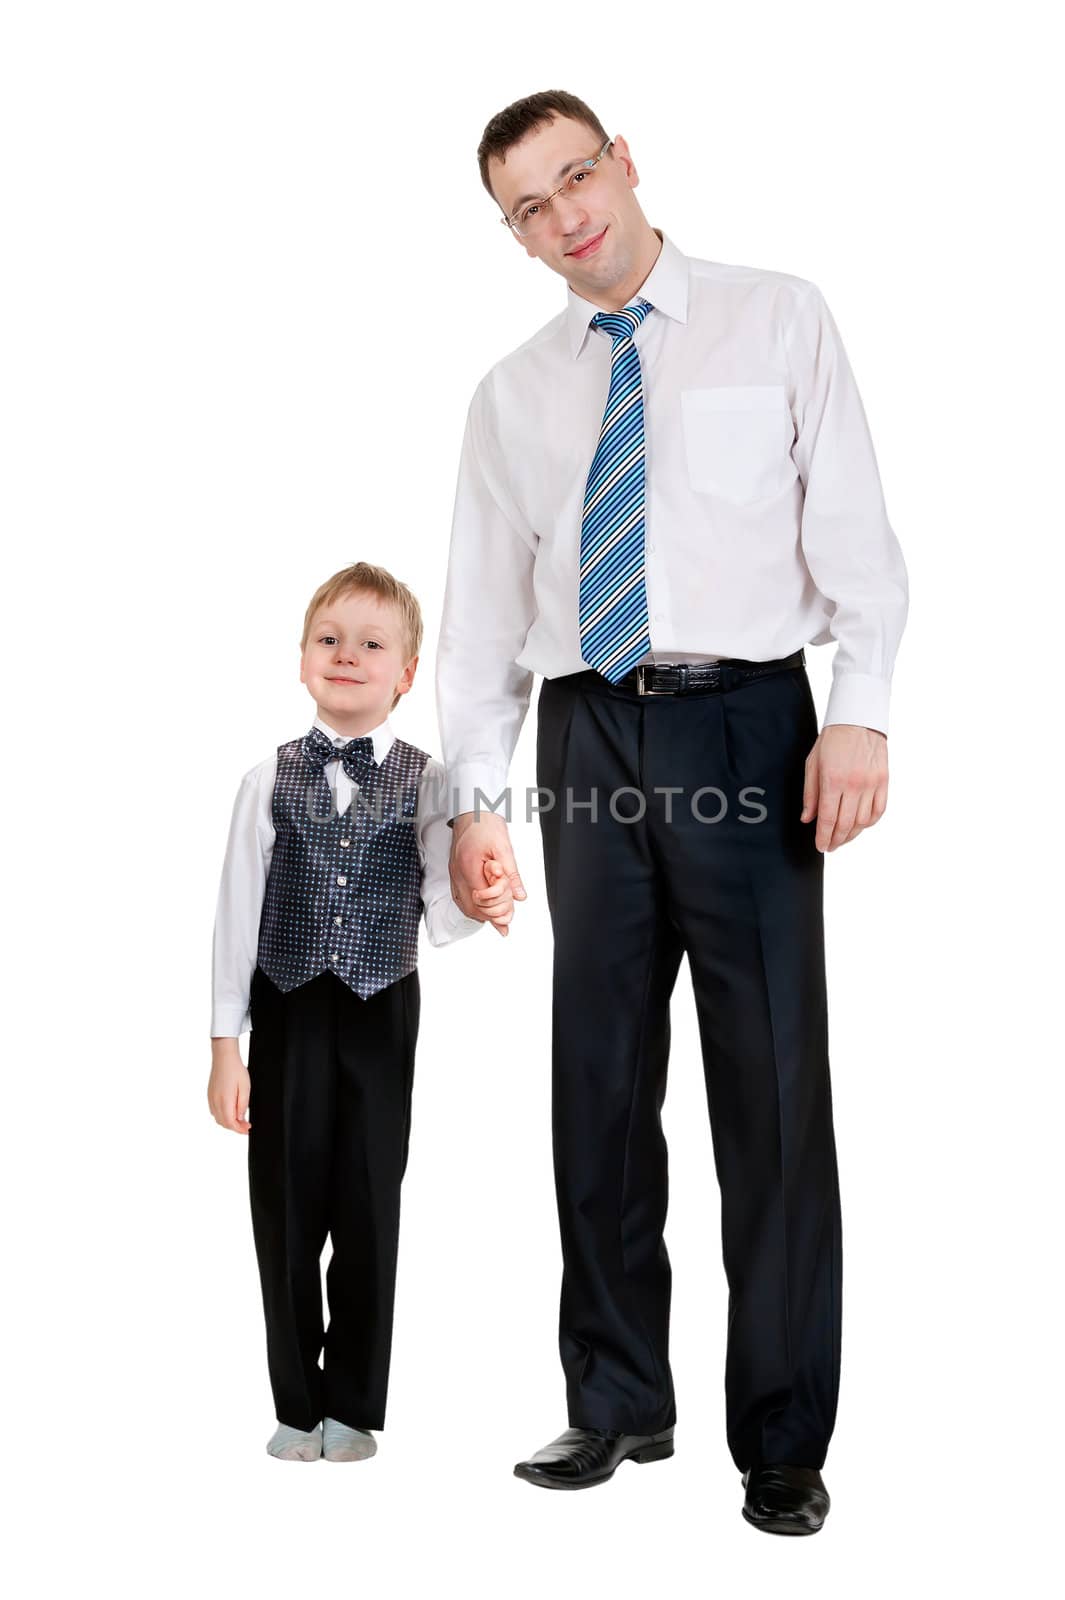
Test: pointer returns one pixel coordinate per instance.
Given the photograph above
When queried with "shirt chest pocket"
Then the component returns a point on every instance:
(737, 441)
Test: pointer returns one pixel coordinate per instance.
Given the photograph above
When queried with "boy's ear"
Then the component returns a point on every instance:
(406, 677)
(303, 665)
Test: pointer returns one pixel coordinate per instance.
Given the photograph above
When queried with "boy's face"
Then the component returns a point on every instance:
(353, 662)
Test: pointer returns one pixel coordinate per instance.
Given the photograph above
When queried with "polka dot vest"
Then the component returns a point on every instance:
(343, 893)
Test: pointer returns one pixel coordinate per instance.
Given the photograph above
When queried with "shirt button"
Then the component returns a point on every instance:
(342, 882)
(649, 548)
(344, 843)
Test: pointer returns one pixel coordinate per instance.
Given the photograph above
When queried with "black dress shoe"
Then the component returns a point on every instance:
(785, 1499)
(581, 1457)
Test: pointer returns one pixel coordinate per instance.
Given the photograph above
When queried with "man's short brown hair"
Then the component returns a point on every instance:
(510, 126)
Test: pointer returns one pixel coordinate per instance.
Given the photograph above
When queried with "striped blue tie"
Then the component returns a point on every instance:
(612, 605)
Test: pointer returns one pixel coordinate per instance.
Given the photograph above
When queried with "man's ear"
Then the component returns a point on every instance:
(621, 152)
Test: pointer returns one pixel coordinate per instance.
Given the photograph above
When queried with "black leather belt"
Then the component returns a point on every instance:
(703, 677)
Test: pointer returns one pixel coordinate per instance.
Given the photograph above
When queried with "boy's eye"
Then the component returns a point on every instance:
(331, 638)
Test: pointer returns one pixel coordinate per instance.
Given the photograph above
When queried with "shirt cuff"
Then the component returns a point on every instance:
(860, 699)
(445, 922)
(473, 786)
(229, 1022)
(456, 921)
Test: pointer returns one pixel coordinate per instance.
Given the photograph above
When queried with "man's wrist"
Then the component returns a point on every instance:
(469, 819)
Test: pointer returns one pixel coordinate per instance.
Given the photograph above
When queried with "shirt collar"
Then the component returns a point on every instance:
(382, 736)
(666, 286)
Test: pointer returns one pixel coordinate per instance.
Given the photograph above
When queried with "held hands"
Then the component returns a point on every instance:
(229, 1089)
(846, 783)
(498, 900)
(480, 855)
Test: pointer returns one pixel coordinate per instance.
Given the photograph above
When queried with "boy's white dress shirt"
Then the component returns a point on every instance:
(247, 863)
(764, 515)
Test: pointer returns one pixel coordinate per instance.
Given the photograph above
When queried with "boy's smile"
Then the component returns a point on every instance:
(354, 662)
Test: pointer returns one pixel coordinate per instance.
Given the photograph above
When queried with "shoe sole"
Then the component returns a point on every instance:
(651, 1452)
(778, 1524)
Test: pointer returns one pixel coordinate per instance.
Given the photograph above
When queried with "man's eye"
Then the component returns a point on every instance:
(578, 177)
(529, 213)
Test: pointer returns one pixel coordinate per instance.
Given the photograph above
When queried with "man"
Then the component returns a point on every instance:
(663, 495)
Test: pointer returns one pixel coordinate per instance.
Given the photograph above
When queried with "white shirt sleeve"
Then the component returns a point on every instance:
(444, 921)
(849, 546)
(240, 901)
(482, 694)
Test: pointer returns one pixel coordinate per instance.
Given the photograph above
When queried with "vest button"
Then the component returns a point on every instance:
(342, 882)
(338, 921)
(334, 955)
(344, 843)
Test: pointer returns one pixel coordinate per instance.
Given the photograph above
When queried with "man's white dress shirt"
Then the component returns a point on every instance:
(765, 524)
(247, 863)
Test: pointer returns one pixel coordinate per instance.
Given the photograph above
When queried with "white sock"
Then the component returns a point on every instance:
(292, 1444)
(346, 1444)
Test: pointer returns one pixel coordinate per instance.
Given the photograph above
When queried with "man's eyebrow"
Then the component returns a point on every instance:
(559, 175)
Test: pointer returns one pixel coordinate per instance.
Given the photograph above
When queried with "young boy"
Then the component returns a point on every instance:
(338, 844)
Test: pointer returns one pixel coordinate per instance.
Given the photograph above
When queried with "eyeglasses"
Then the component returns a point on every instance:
(534, 216)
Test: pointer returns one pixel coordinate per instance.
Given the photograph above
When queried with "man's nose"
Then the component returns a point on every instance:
(572, 214)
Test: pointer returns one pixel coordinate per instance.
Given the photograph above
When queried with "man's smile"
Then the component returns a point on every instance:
(588, 248)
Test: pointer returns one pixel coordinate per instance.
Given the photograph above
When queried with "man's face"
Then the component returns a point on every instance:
(353, 662)
(602, 213)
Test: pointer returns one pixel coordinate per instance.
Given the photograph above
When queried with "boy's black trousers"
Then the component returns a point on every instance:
(331, 1079)
(742, 897)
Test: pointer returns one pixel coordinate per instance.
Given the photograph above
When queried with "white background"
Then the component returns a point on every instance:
(250, 282)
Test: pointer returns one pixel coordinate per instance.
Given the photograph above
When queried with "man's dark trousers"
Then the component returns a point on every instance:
(331, 1077)
(743, 897)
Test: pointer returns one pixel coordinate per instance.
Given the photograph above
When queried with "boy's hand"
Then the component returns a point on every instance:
(229, 1089)
(498, 900)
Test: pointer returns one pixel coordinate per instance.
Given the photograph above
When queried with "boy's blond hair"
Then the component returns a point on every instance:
(365, 578)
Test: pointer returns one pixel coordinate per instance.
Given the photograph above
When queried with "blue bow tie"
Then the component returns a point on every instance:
(356, 756)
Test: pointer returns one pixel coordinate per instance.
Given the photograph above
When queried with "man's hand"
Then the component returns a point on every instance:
(480, 855)
(846, 783)
(229, 1090)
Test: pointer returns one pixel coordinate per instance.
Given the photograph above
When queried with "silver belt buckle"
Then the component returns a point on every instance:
(641, 678)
